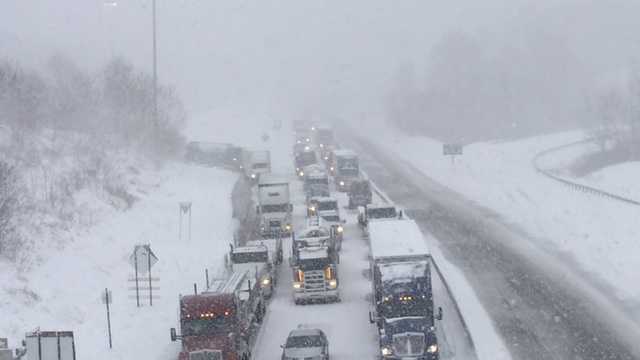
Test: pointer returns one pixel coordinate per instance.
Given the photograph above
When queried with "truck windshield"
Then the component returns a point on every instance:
(325, 137)
(250, 257)
(197, 327)
(407, 299)
(306, 158)
(381, 213)
(318, 181)
(331, 218)
(327, 205)
(304, 341)
(360, 188)
(275, 208)
(314, 264)
(348, 167)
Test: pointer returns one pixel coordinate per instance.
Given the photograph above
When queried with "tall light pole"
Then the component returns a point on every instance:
(155, 73)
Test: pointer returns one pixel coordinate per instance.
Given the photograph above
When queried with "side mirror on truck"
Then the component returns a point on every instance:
(174, 334)
(439, 316)
(257, 209)
(373, 318)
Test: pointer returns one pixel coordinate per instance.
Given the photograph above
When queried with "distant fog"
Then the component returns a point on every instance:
(526, 65)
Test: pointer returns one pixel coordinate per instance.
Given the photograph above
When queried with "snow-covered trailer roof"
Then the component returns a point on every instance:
(271, 179)
(345, 153)
(229, 285)
(249, 249)
(397, 239)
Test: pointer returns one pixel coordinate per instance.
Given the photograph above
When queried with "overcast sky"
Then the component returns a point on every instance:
(263, 53)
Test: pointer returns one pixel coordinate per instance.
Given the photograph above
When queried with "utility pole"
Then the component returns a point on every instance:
(155, 75)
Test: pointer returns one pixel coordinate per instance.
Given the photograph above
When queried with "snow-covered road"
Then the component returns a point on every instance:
(346, 323)
(537, 308)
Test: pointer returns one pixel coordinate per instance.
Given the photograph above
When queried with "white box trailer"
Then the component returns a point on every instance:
(50, 345)
(274, 206)
(255, 163)
(398, 239)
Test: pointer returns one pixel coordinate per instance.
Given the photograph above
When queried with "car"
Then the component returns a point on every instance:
(303, 343)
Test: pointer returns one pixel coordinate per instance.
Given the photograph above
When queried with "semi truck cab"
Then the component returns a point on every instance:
(274, 206)
(346, 169)
(315, 275)
(221, 322)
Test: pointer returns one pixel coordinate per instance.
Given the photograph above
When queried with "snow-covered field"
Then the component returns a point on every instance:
(597, 234)
(64, 292)
(621, 179)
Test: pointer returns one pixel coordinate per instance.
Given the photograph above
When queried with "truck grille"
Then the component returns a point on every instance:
(314, 281)
(410, 344)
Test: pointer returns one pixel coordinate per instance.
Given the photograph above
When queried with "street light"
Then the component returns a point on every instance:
(155, 72)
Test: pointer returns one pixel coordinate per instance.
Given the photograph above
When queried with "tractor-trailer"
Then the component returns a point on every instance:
(402, 302)
(274, 206)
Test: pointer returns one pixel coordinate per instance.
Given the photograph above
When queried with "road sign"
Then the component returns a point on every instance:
(452, 149)
(142, 259)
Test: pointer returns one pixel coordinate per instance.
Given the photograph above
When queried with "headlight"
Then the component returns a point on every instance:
(301, 173)
(333, 284)
(326, 158)
(297, 285)
(321, 145)
(287, 227)
(331, 168)
(341, 183)
(312, 208)
(432, 349)
(386, 351)
(253, 176)
(340, 229)
(266, 281)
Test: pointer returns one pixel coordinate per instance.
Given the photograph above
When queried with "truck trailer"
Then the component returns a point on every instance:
(346, 169)
(274, 206)
(402, 302)
(255, 163)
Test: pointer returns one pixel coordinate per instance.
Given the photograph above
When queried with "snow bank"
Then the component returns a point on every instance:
(63, 293)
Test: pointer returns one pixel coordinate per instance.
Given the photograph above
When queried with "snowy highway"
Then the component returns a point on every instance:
(540, 309)
(346, 323)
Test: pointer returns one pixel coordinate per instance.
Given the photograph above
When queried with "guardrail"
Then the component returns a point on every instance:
(572, 184)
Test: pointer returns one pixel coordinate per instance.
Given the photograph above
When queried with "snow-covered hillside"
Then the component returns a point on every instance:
(64, 291)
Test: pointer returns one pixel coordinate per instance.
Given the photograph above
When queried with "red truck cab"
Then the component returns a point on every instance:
(222, 322)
